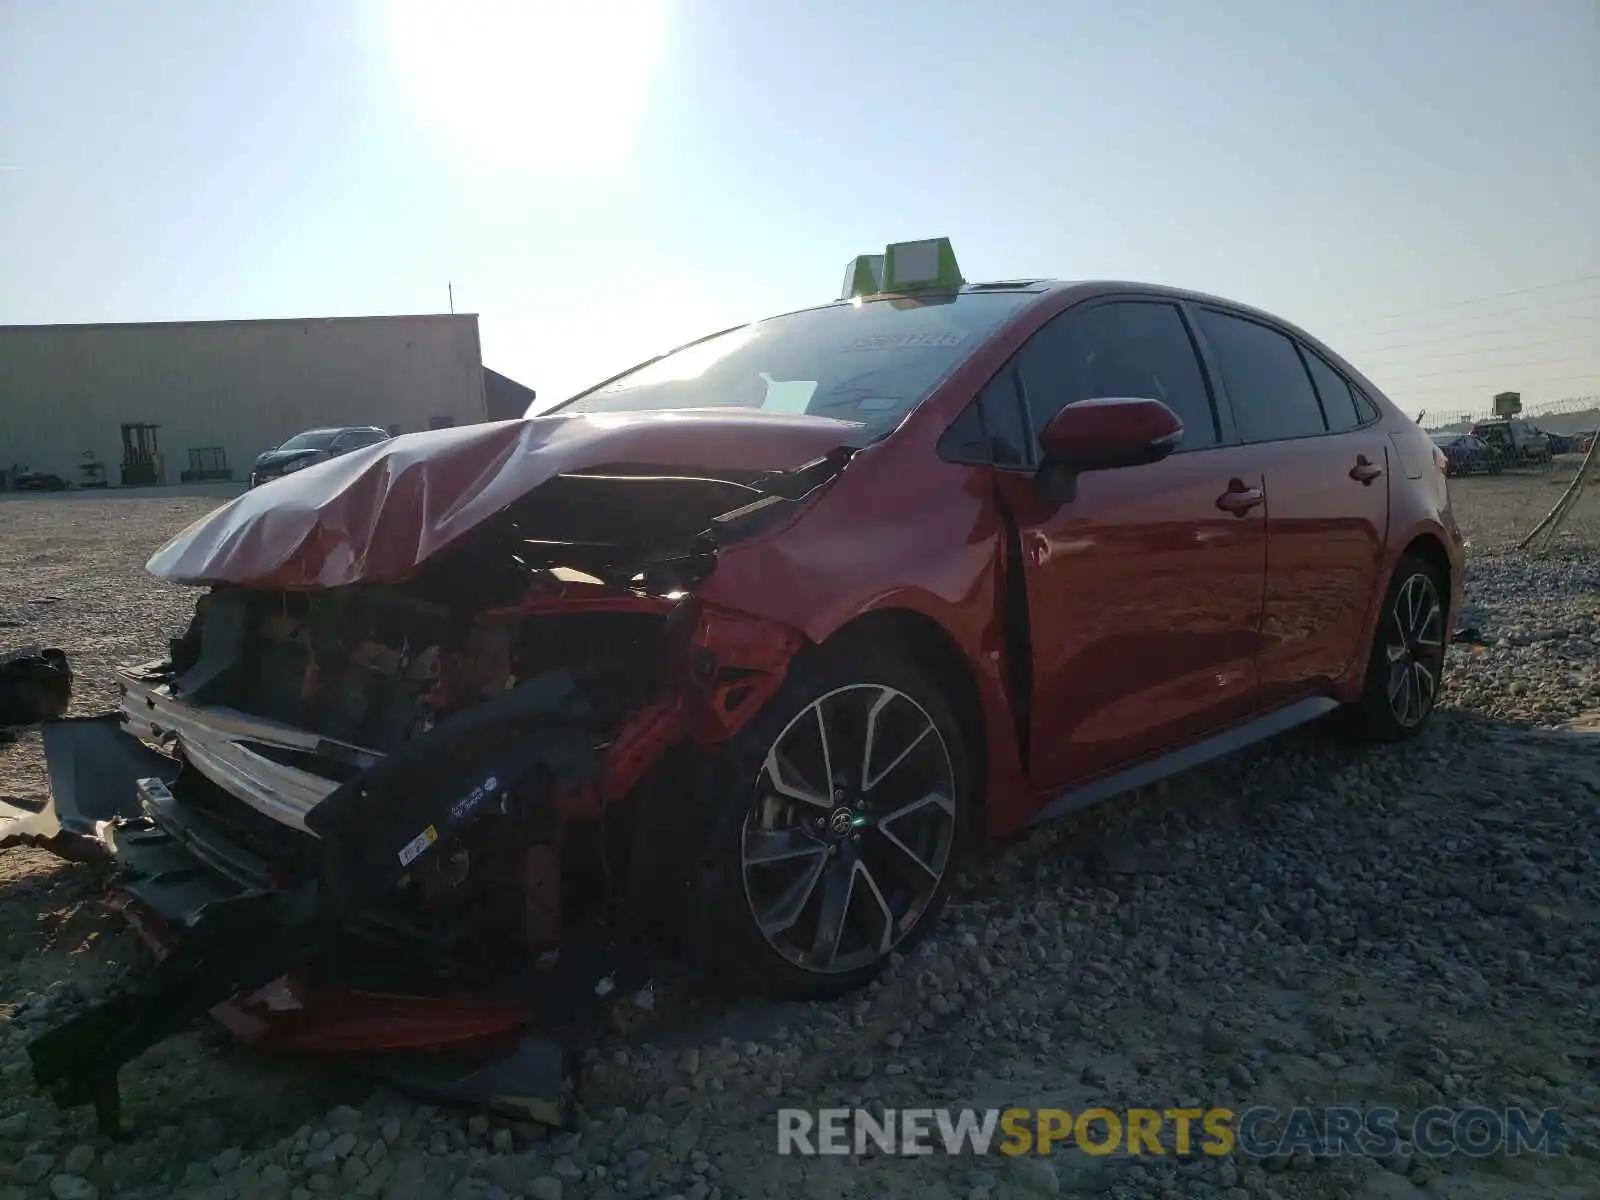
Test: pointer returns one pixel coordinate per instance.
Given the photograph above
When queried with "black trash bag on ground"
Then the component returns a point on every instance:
(35, 686)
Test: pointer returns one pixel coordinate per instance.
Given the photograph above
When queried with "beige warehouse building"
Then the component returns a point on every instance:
(200, 400)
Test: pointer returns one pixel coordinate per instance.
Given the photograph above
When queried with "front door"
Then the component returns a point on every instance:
(1144, 591)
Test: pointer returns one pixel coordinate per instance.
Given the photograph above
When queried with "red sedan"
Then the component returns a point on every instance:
(762, 635)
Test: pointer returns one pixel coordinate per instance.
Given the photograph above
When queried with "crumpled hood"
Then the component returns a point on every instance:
(376, 514)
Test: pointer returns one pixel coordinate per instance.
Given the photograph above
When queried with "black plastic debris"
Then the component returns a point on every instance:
(1468, 635)
(232, 941)
(35, 687)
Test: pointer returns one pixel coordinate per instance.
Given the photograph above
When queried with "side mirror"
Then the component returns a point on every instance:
(1103, 434)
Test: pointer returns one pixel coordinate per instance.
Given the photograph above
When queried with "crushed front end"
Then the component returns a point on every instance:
(434, 813)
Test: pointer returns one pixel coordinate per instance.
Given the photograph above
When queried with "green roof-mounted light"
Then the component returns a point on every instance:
(863, 276)
(903, 267)
(912, 266)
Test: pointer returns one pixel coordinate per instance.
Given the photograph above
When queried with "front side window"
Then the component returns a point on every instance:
(1267, 384)
(871, 362)
(1134, 349)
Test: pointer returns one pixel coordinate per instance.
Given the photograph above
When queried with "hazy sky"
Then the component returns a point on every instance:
(602, 180)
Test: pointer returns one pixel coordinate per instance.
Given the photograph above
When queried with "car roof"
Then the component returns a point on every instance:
(1040, 286)
(1090, 288)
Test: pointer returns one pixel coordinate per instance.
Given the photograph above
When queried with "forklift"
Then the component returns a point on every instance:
(141, 460)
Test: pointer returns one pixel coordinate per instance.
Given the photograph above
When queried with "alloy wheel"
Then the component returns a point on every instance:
(1415, 647)
(850, 834)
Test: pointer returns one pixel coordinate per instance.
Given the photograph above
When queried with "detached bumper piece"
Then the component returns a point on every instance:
(263, 941)
(93, 769)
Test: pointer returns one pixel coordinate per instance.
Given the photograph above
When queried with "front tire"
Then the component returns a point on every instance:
(837, 823)
(1406, 667)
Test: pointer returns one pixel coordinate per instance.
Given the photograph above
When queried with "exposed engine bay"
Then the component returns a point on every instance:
(460, 784)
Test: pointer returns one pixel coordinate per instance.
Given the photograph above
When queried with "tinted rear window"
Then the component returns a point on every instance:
(1266, 381)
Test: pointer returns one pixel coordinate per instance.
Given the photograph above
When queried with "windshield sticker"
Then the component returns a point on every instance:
(908, 341)
(787, 395)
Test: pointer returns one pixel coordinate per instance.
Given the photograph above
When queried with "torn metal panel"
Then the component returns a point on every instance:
(251, 757)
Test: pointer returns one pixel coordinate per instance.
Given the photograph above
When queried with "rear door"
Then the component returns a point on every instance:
(1326, 465)
(1144, 591)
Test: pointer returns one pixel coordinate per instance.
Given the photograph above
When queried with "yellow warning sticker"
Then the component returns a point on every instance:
(409, 852)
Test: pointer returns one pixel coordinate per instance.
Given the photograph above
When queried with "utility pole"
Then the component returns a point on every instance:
(451, 287)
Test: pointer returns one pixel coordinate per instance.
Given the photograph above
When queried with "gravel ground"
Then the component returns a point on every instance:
(1307, 923)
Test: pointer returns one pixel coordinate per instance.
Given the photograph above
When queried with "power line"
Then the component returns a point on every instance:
(1576, 337)
(1464, 387)
(1541, 287)
(1559, 360)
(1406, 330)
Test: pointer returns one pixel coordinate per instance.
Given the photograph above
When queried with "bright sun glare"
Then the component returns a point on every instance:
(548, 84)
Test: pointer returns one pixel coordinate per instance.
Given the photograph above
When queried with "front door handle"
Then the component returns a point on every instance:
(1365, 472)
(1239, 499)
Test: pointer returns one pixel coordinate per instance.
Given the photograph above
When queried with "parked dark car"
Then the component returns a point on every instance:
(1466, 454)
(38, 481)
(1514, 443)
(756, 640)
(311, 447)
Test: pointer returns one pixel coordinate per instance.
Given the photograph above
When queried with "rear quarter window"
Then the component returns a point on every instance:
(1338, 402)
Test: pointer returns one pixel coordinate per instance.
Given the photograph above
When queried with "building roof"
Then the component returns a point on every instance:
(243, 321)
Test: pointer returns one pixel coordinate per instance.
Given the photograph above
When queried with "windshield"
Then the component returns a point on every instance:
(316, 439)
(870, 363)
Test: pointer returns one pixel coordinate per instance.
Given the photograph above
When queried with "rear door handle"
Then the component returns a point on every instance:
(1239, 499)
(1365, 472)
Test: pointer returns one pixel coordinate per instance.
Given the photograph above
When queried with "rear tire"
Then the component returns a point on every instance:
(1406, 667)
(810, 888)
